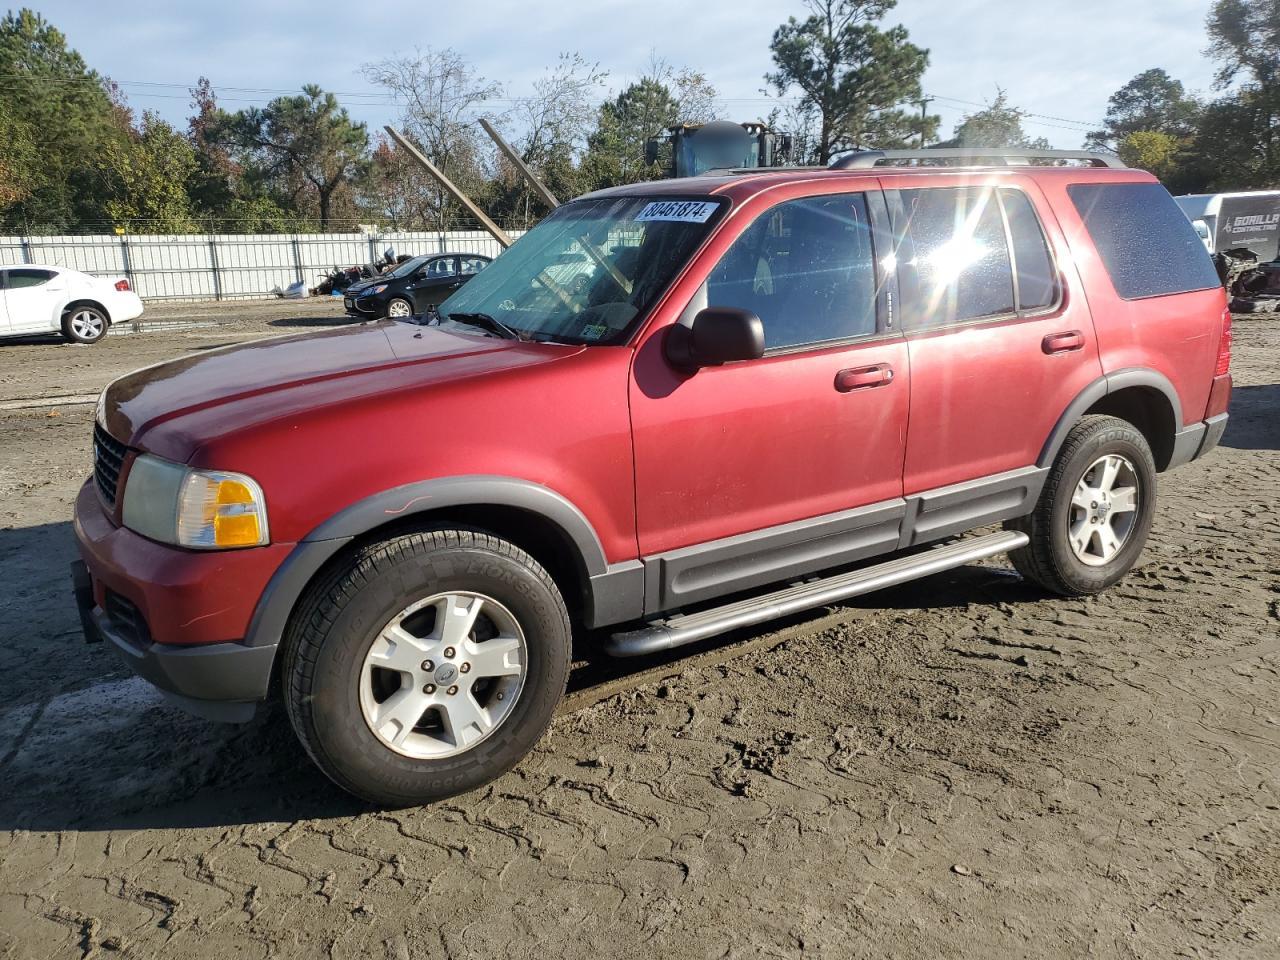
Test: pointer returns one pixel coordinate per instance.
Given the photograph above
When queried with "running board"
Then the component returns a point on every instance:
(688, 628)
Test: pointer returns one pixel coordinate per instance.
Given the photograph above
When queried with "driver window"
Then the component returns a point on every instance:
(444, 267)
(806, 269)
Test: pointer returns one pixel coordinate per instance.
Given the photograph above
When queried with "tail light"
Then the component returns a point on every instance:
(1224, 347)
(122, 286)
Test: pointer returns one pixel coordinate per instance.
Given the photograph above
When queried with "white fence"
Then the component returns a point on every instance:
(224, 267)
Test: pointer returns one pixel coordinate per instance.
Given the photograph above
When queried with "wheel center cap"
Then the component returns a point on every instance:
(445, 674)
(1104, 508)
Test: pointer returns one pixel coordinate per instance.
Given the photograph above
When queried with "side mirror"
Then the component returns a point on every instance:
(718, 335)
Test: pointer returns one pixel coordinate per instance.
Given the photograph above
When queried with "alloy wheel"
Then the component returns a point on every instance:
(86, 324)
(443, 675)
(1104, 510)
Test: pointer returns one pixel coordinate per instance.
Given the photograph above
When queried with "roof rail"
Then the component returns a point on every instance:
(981, 156)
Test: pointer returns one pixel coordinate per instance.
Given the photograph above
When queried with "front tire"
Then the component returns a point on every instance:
(1094, 513)
(426, 665)
(399, 307)
(84, 324)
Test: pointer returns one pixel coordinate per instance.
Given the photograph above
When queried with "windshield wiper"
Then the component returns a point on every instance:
(492, 324)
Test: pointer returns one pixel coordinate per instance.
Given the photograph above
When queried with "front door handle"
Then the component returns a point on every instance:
(862, 378)
(1064, 342)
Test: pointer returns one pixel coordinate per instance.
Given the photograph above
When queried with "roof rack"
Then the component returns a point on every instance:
(981, 156)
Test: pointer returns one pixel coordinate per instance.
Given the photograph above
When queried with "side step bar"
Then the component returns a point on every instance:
(688, 628)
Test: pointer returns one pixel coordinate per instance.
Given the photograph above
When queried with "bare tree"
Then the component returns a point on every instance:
(440, 94)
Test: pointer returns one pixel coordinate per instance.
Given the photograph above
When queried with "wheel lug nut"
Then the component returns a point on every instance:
(429, 688)
(428, 666)
(499, 696)
(452, 690)
(449, 652)
(465, 668)
(1094, 504)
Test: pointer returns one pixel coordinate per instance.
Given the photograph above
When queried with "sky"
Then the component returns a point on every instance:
(1057, 60)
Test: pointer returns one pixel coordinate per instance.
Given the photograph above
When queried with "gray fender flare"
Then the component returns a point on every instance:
(1095, 391)
(286, 586)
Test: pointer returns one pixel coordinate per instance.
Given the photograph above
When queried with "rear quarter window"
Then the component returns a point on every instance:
(1145, 241)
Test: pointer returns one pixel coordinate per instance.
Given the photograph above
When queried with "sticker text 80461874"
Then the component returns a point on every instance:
(678, 211)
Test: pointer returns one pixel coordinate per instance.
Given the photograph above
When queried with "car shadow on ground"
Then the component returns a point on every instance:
(86, 745)
(1254, 424)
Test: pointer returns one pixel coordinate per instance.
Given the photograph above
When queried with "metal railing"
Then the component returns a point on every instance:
(229, 266)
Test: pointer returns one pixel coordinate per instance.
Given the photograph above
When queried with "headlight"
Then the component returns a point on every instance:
(203, 509)
(100, 411)
(378, 289)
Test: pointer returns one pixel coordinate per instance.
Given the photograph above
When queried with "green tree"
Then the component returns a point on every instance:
(854, 77)
(65, 108)
(18, 160)
(996, 125)
(1152, 150)
(307, 146)
(145, 178)
(1238, 141)
(1151, 101)
(616, 148)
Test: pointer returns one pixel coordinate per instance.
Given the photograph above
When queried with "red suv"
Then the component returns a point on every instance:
(670, 409)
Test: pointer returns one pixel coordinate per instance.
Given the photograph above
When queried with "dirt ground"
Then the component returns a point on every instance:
(960, 768)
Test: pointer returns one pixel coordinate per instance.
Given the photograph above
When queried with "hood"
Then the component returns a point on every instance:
(362, 285)
(236, 386)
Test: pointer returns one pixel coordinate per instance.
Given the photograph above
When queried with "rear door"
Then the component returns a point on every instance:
(32, 297)
(1000, 342)
(762, 469)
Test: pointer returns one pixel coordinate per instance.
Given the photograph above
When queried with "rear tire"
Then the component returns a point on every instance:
(396, 705)
(84, 324)
(1094, 513)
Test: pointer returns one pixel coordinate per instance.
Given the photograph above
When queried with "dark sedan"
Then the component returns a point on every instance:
(413, 287)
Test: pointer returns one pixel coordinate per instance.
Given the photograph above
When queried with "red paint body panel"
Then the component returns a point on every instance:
(1176, 336)
(419, 404)
(187, 597)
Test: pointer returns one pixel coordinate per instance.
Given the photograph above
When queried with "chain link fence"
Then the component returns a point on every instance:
(230, 266)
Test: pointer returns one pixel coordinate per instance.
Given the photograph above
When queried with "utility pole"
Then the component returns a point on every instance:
(497, 232)
(924, 117)
(521, 167)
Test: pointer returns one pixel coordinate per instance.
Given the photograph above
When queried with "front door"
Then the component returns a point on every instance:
(755, 471)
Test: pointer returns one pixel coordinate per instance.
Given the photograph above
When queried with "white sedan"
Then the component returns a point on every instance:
(40, 299)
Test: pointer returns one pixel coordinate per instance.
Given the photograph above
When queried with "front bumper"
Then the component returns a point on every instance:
(219, 681)
(177, 616)
(361, 306)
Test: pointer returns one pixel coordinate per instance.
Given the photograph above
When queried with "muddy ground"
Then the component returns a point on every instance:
(961, 768)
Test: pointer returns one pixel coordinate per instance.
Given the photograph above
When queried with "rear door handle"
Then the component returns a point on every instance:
(1064, 342)
(862, 378)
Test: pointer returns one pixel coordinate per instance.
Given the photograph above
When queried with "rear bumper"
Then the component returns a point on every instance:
(1193, 442)
(125, 307)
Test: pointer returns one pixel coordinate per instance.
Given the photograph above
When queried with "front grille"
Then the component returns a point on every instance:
(108, 458)
(125, 620)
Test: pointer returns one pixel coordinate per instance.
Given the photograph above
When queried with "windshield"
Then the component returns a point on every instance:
(589, 271)
(407, 268)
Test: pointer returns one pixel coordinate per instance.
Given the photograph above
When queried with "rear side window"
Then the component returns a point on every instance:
(1032, 265)
(806, 269)
(960, 267)
(28, 278)
(1146, 243)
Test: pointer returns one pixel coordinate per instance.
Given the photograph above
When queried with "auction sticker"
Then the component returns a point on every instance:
(678, 211)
